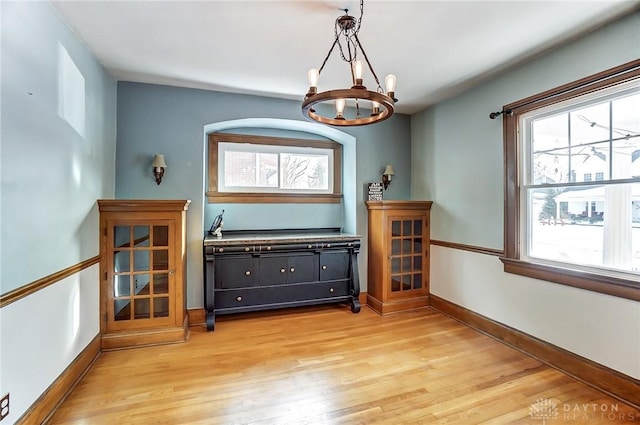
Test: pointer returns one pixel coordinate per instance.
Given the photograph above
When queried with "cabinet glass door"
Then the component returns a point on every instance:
(140, 274)
(406, 256)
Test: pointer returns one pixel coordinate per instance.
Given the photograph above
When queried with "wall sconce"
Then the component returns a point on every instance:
(158, 165)
(386, 176)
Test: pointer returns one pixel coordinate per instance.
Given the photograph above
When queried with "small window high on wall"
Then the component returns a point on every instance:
(260, 169)
(572, 201)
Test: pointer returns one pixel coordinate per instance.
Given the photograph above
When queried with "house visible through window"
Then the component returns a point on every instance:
(582, 233)
(265, 169)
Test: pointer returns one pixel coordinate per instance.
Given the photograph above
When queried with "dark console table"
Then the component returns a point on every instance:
(261, 270)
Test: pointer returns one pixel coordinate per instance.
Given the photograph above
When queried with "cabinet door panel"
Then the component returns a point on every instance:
(274, 269)
(334, 265)
(303, 268)
(237, 272)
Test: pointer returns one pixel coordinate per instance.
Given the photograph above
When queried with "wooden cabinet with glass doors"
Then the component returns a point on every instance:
(398, 260)
(142, 271)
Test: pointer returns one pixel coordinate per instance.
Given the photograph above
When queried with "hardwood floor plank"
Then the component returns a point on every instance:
(325, 365)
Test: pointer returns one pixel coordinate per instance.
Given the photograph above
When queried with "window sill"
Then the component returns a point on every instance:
(272, 198)
(617, 287)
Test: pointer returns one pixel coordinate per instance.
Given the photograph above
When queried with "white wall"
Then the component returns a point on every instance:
(43, 333)
(457, 162)
(602, 328)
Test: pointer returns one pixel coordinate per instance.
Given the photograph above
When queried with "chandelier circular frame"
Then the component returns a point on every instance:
(386, 106)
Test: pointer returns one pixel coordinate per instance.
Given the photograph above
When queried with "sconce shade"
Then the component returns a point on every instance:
(386, 176)
(158, 161)
(158, 165)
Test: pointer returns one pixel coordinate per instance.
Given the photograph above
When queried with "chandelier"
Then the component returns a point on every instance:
(358, 96)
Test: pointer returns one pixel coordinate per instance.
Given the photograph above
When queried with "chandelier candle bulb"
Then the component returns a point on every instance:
(340, 109)
(313, 76)
(390, 82)
(357, 70)
(375, 108)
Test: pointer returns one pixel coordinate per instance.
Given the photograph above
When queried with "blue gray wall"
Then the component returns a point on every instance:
(173, 121)
(457, 156)
(58, 145)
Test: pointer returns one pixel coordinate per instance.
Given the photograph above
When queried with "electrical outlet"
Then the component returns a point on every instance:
(4, 407)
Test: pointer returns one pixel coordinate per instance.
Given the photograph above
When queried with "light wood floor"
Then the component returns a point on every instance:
(325, 365)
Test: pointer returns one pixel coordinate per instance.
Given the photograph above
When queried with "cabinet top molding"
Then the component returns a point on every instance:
(144, 205)
(407, 205)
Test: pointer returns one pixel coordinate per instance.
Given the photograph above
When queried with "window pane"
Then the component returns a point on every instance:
(160, 235)
(417, 281)
(591, 162)
(121, 236)
(141, 284)
(587, 225)
(590, 124)
(122, 309)
(250, 169)
(626, 118)
(161, 259)
(121, 261)
(141, 235)
(304, 171)
(161, 283)
(141, 260)
(121, 285)
(550, 150)
(406, 264)
(395, 228)
(161, 307)
(626, 158)
(141, 308)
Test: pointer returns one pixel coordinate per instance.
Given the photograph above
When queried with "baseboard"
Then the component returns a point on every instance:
(197, 315)
(44, 407)
(607, 380)
(395, 306)
(146, 337)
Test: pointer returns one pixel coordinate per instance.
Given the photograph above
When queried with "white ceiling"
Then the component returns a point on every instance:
(435, 48)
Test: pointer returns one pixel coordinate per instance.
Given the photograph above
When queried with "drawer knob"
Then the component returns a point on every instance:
(324, 267)
(282, 270)
(238, 298)
(268, 248)
(247, 249)
(331, 290)
(292, 269)
(220, 249)
(247, 273)
(309, 246)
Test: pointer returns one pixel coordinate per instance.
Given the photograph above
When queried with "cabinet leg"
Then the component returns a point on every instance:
(211, 321)
(355, 305)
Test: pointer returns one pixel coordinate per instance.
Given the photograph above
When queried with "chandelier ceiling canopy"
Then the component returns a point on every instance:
(357, 97)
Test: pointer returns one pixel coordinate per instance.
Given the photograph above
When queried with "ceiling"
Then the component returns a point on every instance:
(436, 49)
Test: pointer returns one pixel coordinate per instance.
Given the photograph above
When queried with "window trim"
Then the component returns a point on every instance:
(512, 260)
(214, 196)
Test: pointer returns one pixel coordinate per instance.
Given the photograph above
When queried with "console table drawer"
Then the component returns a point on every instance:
(268, 295)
